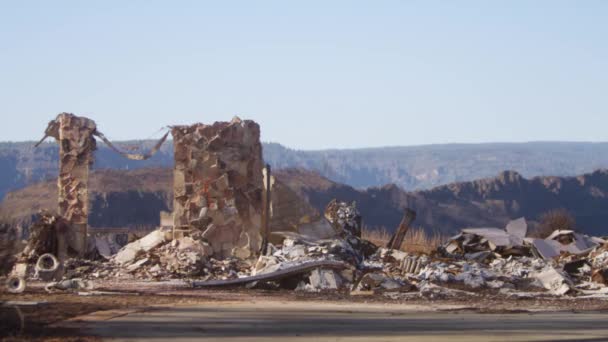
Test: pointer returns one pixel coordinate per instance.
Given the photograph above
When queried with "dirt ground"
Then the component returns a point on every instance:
(30, 316)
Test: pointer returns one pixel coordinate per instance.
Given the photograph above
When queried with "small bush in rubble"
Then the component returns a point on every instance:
(552, 220)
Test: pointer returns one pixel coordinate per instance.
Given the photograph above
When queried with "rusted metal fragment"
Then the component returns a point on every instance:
(133, 156)
(278, 275)
(52, 130)
(218, 185)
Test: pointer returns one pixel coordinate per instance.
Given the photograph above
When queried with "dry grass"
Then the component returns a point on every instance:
(417, 240)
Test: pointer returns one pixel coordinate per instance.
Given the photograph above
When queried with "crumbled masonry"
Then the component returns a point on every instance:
(75, 136)
(503, 262)
(218, 185)
(44, 237)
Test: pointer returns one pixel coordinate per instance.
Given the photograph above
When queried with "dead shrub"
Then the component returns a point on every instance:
(552, 220)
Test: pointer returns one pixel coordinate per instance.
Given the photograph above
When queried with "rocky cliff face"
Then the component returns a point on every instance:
(486, 202)
(21, 164)
(122, 198)
(118, 199)
(134, 199)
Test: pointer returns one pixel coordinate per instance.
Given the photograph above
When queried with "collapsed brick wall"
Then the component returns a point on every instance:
(218, 185)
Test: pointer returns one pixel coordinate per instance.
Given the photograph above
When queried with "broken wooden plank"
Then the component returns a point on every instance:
(266, 209)
(397, 239)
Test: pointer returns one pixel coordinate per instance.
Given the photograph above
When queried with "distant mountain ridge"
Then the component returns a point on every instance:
(488, 202)
(411, 168)
(424, 167)
(121, 198)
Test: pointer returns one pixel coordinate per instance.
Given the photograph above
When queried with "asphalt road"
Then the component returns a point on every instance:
(315, 321)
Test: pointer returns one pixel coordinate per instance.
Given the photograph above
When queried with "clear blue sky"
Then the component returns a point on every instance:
(314, 74)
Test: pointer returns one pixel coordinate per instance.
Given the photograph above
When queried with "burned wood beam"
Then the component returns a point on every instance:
(397, 239)
(266, 209)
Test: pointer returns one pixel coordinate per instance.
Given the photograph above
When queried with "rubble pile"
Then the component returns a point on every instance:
(333, 257)
(563, 263)
(158, 257)
(297, 250)
(45, 236)
(347, 224)
(155, 257)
